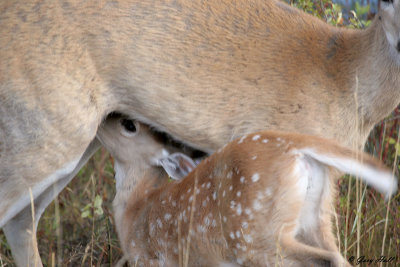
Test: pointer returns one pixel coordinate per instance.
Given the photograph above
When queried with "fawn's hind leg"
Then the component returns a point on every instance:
(306, 254)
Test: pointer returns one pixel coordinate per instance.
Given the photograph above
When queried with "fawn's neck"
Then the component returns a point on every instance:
(126, 177)
(133, 183)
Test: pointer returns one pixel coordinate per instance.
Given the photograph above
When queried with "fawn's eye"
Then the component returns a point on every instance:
(130, 127)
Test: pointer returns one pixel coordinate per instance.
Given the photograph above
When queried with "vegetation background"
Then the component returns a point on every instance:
(77, 229)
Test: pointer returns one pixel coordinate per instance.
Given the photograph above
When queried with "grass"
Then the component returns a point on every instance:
(77, 229)
(369, 227)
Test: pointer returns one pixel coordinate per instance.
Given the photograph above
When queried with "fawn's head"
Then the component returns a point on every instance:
(130, 142)
(136, 146)
(390, 17)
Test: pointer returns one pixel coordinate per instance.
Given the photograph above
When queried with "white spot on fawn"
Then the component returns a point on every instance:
(242, 179)
(238, 193)
(232, 235)
(256, 137)
(265, 141)
(248, 238)
(229, 175)
(255, 177)
(239, 209)
(208, 185)
(245, 225)
(257, 205)
(201, 229)
(159, 223)
(237, 234)
(254, 158)
(167, 216)
(242, 139)
(268, 192)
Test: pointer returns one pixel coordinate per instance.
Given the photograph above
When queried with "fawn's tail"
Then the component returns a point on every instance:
(359, 164)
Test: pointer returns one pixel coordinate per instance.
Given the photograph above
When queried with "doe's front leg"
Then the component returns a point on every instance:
(20, 231)
(21, 236)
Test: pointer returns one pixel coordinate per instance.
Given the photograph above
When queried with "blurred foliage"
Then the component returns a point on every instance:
(323, 9)
(93, 209)
(332, 13)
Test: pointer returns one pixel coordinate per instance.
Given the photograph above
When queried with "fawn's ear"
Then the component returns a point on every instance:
(177, 165)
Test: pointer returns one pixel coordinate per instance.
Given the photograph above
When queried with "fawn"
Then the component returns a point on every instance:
(205, 72)
(141, 147)
(262, 200)
(147, 153)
